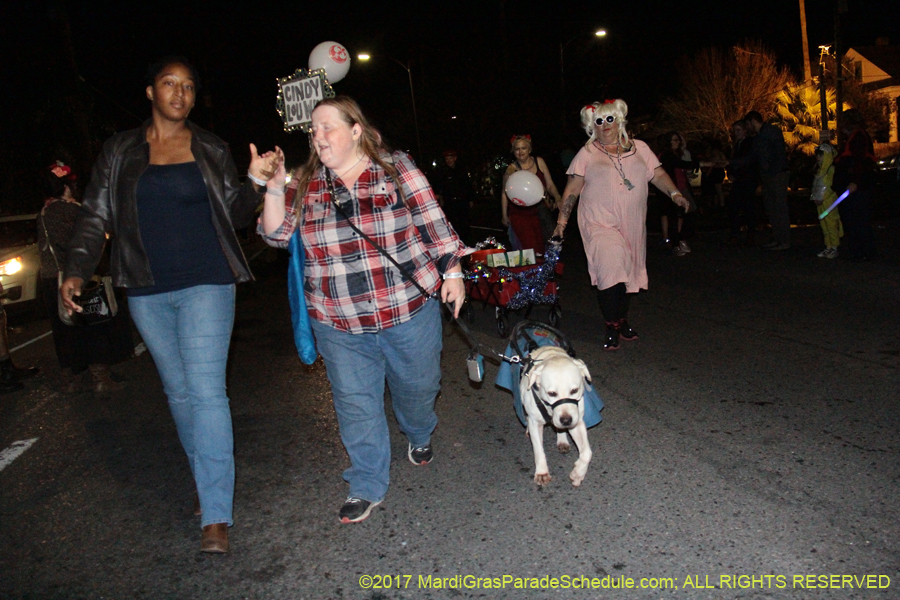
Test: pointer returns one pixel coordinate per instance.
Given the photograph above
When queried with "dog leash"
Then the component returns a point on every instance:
(477, 350)
(475, 360)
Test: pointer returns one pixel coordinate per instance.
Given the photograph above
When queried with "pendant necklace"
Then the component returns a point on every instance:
(351, 168)
(617, 165)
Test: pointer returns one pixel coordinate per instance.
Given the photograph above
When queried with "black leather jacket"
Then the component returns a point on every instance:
(110, 206)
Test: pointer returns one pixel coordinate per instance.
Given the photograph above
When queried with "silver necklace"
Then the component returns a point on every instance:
(351, 168)
(617, 165)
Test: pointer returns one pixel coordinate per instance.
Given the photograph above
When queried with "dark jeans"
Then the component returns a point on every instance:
(674, 213)
(775, 202)
(856, 215)
(742, 207)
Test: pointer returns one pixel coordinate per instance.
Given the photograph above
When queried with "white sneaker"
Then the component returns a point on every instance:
(684, 247)
(832, 253)
(824, 253)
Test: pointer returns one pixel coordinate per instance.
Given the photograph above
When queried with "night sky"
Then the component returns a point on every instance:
(493, 65)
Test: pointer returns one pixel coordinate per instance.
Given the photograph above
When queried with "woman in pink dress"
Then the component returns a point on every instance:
(611, 174)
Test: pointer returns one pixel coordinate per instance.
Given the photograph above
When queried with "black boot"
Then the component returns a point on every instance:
(612, 336)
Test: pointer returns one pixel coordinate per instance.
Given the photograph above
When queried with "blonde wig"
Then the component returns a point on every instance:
(616, 108)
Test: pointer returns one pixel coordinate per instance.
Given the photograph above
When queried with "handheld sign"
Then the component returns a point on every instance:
(298, 96)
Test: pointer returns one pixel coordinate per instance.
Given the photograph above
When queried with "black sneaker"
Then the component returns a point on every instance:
(626, 332)
(612, 337)
(355, 510)
(420, 455)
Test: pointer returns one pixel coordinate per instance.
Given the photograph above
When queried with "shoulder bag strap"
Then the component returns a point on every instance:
(374, 244)
(47, 240)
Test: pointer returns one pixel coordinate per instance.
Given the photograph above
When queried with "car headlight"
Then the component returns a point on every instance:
(13, 265)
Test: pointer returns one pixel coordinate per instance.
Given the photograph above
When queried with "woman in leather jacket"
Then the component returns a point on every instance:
(168, 197)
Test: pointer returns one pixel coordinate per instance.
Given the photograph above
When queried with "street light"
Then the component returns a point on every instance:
(562, 68)
(412, 94)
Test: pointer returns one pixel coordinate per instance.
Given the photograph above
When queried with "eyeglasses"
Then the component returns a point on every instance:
(607, 118)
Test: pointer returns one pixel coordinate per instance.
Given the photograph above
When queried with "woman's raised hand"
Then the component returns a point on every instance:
(279, 177)
(264, 166)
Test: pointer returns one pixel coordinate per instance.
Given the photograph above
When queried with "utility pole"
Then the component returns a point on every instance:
(807, 71)
(839, 7)
(823, 94)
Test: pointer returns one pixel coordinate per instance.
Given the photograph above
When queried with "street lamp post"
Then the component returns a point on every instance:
(562, 69)
(412, 95)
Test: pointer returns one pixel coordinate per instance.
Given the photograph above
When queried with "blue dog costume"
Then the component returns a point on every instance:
(529, 336)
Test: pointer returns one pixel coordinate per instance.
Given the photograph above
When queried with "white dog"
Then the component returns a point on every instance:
(552, 387)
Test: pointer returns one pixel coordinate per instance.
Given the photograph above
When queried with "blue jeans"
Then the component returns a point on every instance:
(409, 357)
(188, 332)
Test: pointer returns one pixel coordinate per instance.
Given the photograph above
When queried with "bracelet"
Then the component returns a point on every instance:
(456, 275)
(563, 223)
(256, 180)
(275, 191)
(675, 193)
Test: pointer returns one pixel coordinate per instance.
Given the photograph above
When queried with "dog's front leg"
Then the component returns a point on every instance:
(536, 433)
(562, 442)
(579, 435)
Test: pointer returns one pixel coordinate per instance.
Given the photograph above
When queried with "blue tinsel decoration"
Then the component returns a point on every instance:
(533, 282)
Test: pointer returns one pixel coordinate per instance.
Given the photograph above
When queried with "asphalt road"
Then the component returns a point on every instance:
(750, 439)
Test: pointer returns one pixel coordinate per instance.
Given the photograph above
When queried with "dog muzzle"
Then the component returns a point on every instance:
(543, 405)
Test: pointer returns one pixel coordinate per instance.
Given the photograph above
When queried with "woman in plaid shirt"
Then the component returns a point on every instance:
(370, 321)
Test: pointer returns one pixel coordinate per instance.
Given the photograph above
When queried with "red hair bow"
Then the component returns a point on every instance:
(609, 102)
(515, 137)
(60, 169)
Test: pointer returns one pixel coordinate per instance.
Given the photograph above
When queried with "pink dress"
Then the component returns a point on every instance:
(613, 219)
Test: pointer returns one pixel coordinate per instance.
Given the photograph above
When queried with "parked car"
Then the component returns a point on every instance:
(20, 262)
(887, 187)
(889, 165)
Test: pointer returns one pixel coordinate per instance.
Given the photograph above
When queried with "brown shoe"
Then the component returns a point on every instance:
(214, 538)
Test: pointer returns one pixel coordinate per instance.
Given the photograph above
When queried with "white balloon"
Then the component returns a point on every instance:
(524, 188)
(332, 57)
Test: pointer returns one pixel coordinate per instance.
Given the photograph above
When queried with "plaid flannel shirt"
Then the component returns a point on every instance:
(348, 284)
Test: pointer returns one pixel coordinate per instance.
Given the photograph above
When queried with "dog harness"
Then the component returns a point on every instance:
(527, 365)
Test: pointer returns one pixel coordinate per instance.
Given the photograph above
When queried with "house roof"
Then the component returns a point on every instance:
(886, 58)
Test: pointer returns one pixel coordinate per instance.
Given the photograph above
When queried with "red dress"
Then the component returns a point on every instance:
(525, 221)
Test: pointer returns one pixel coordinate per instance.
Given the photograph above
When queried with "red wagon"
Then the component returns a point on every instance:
(514, 288)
